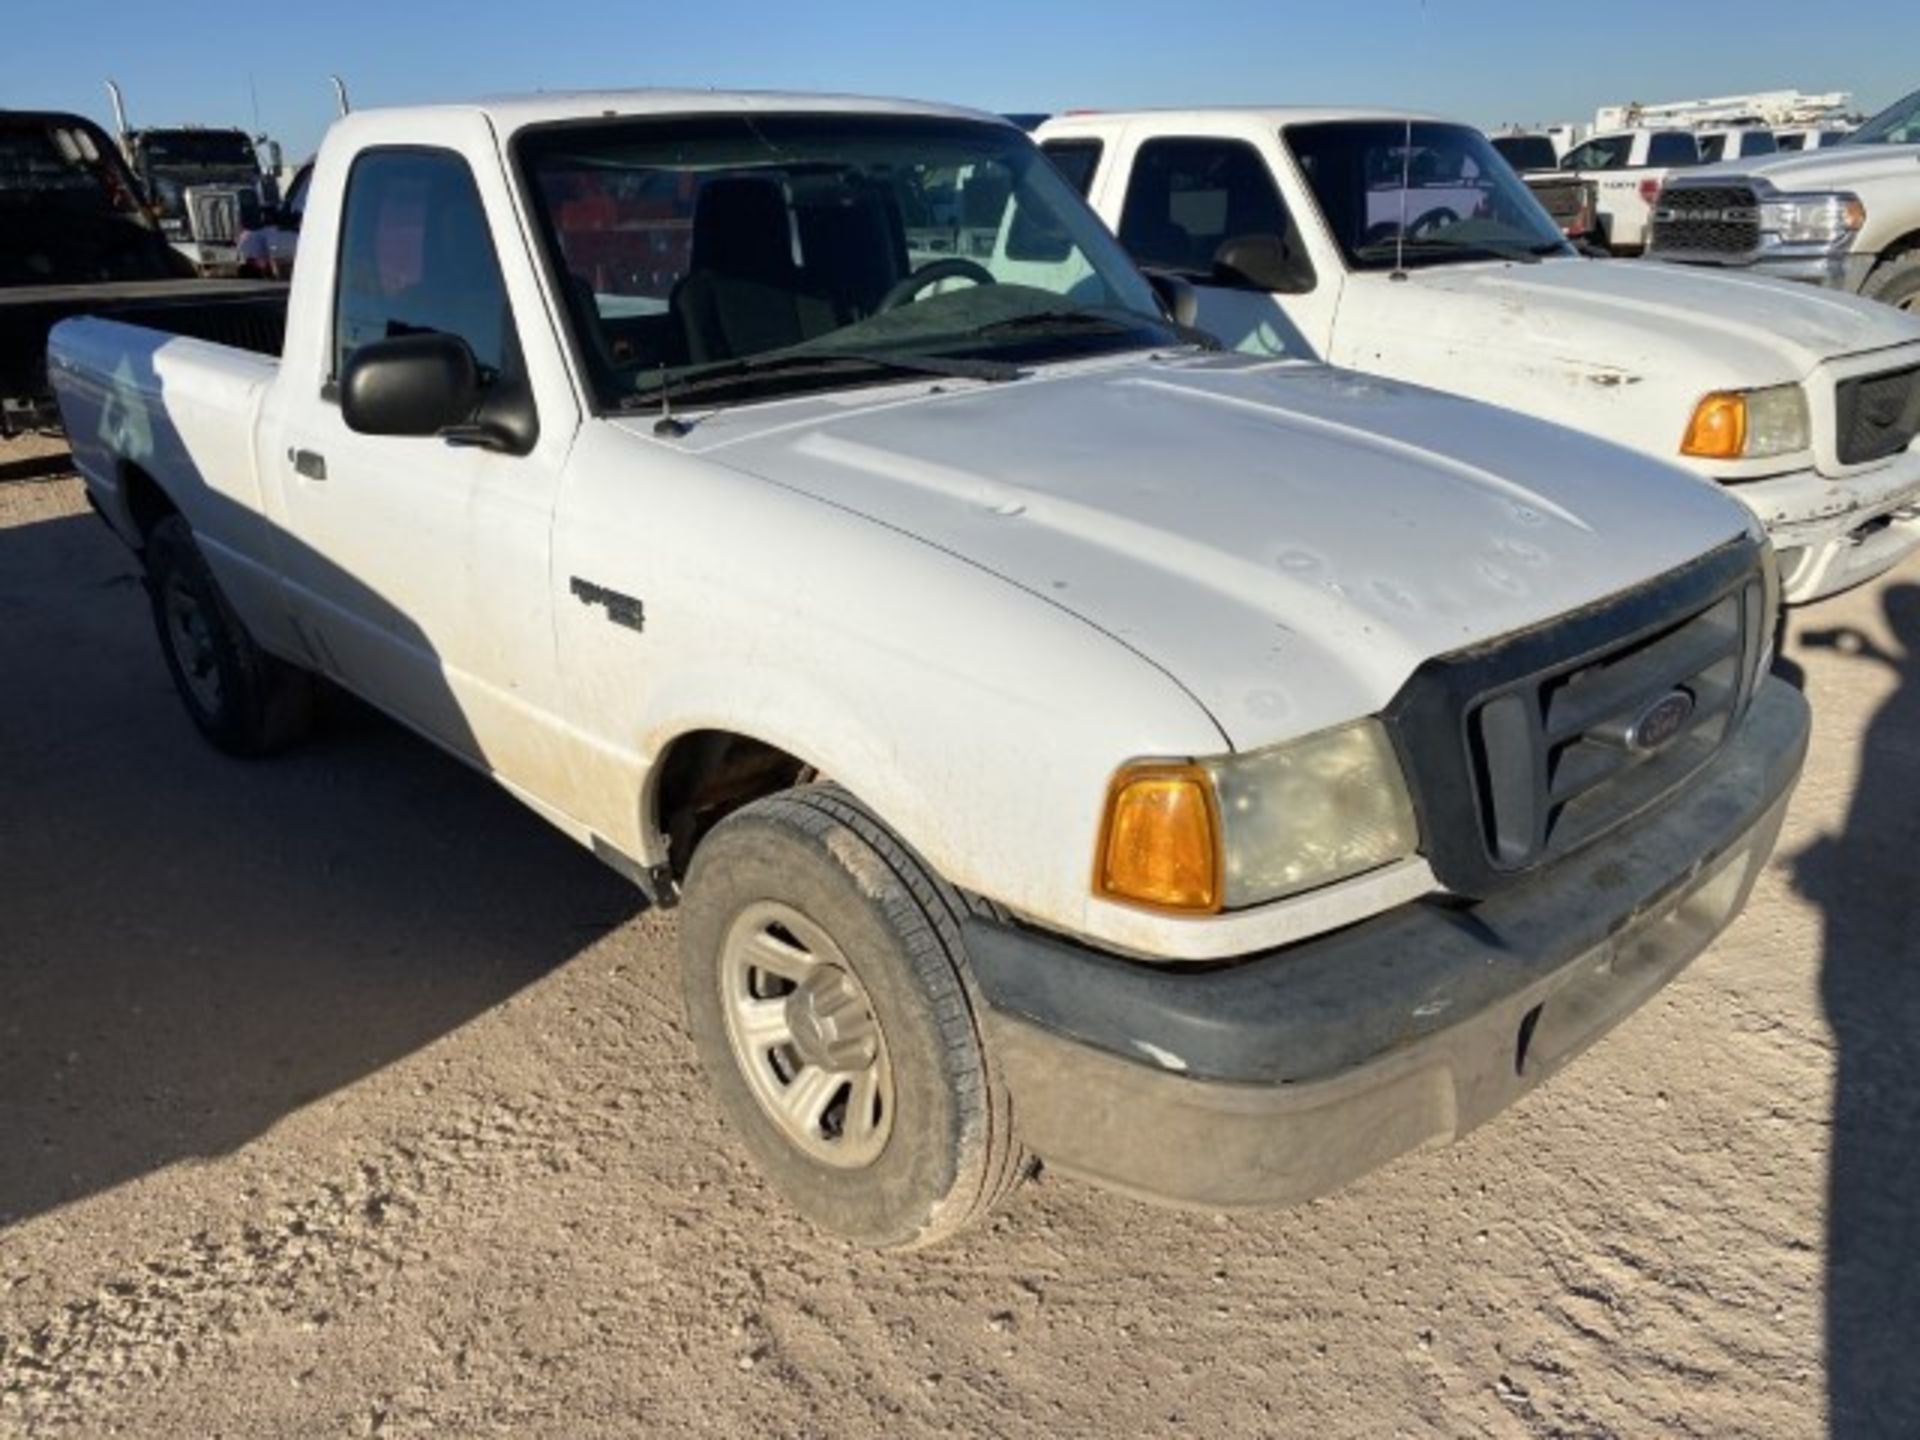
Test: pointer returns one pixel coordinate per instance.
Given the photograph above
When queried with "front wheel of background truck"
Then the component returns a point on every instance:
(1896, 282)
(244, 700)
(831, 1003)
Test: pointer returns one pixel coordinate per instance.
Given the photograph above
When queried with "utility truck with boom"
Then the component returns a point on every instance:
(1214, 774)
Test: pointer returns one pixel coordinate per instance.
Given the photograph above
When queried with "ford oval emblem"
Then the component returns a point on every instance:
(1661, 722)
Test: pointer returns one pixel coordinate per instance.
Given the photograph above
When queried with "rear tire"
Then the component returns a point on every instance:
(245, 701)
(910, 1136)
(1896, 282)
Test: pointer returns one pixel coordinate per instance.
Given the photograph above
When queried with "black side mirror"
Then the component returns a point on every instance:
(410, 385)
(1179, 299)
(1262, 262)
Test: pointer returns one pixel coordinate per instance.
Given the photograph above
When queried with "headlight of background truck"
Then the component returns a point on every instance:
(1241, 830)
(1813, 219)
(1748, 424)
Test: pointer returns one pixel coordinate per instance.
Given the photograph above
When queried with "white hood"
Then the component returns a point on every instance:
(1700, 329)
(1838, 167)
(1287, 541)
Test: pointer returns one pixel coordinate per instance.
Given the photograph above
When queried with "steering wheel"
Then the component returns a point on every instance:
(1423, 225)
(932, 273)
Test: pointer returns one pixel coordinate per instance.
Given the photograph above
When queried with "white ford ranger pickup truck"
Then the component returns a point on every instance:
(1213, 775)
(1326, 233)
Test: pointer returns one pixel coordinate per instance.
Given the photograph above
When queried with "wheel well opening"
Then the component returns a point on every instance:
(709, 774)
(147, 504)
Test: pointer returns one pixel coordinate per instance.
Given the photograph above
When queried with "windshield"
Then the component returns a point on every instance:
(1527, 152)
(197, 150)
(1898, 124)
(700, 245)
(1445, 198)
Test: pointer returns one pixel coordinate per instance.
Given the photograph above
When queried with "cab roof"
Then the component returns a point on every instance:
(1278, 116)
(515, 112)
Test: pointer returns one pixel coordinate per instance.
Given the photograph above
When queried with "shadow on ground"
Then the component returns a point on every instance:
(1868, 889)
(191, 946)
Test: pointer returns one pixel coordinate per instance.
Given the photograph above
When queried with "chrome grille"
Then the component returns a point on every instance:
(1706, 220)
(1877, 415)
(216, 215)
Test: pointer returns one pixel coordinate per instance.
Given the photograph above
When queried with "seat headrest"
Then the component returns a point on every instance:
(741, 229)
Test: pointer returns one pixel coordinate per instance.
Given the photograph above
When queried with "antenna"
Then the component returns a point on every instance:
(253, 94)
(666, 426)
(340, 101)
(1406, 177)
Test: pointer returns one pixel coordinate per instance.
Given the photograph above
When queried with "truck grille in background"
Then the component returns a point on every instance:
(216, 215)
(1877, 415)
(1706, 220)
(1523, 750)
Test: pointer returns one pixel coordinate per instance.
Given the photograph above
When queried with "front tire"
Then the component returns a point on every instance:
(1896, 282)
(242, 699)
(831, 1003)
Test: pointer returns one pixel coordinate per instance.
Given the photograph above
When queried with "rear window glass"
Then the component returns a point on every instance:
(1673, 147)
(1075, 159)
(1526, 152)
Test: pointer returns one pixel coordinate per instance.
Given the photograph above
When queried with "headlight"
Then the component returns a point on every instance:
(1748, 424)
(1243, 830)
(1813, 219)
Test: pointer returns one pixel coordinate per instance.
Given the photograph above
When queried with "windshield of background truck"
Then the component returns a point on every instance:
(1423, 195)
(1898, 124)
(691, 244)
(198, 150)
(1527, 152)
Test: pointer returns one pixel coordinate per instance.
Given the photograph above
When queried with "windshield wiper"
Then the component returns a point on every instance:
(1431, 245)
(1063, 318)
(729, 374)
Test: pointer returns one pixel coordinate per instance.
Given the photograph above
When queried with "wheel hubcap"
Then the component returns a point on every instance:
(803, 1032)
(190, 634)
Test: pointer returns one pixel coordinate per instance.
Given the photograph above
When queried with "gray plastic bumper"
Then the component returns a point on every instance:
(1287, 1074)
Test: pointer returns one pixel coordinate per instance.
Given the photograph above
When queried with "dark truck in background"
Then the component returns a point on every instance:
(1571, 202)
(77, 239)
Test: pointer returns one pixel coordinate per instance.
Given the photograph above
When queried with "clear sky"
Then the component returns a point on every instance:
(1485, 62)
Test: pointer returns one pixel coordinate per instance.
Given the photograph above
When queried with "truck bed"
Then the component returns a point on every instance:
(246, 314)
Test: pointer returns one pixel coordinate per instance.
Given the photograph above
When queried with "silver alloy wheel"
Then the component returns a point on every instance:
(190, 633)
(803, 1033)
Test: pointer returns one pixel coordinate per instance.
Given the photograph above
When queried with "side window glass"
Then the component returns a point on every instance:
(416, 258)
(1077, 160)
(1672, 148)
(1187, 196)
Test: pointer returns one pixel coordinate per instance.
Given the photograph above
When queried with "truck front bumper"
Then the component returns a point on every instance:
(1285, 1075)
(1834, 534)
(1832, 269)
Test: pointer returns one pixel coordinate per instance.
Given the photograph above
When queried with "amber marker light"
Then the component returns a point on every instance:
(1718, 430)
(1160, 840)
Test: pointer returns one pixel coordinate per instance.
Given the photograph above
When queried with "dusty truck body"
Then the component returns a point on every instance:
(1212, 774)
(75, 240)
(1289, 222)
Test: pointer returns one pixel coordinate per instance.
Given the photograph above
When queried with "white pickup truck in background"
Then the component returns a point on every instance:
(1627, 168)
(1846, 216)
(1216, 774)
(1320, 233)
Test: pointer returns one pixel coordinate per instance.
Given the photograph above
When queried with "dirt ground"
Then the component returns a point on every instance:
(338, 1095)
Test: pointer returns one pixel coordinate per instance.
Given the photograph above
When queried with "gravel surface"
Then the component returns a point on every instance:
(338, 1095)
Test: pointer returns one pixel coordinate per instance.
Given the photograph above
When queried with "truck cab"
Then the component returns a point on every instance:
(1627, 168)
(205, 185)
(1403, 245)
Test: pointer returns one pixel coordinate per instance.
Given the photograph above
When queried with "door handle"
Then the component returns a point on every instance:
(309, 463)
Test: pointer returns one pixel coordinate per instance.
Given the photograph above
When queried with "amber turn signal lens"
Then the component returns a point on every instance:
(1160, 842)
(1718, 430)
